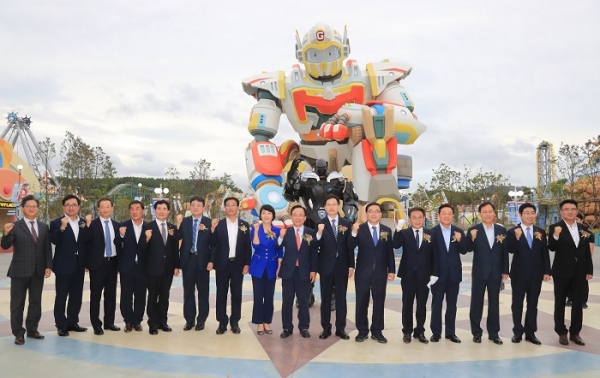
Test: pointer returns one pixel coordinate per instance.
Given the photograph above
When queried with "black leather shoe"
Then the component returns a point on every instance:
(453, 338)
(563, 339)
(304, 333)
(138, 327)
(188, 326)
(235, 329)
(361, 337)
(35, 335)
(516, 339)
(379, 338)
(165, 327)
(477, 339)
(532, 339)
(342, 334)
(406, 338)
(153, 330)
(128, 327)
(285, 334)
(435, 338)
(421, 337)
(325, 334)
(98, 331)
(576, 339)
(221, 330)
(63, 332)
(20, 340)
(112, 327)
(497, 340)
(76, 328)
(199, 326)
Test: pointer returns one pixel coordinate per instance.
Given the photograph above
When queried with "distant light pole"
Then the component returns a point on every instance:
(161, 191)
(140, 191)
(19, 168)
(515, 194)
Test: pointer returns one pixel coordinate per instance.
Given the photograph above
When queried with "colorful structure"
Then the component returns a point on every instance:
(342, 113)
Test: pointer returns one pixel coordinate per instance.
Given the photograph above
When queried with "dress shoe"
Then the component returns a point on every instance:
(19, 340)
(63, 332)
(361, 337)
(453, 338)
(76, 328)
(138, 327)
(260, 331)
(342, 334)
(35, 335)
(268, 331)
(188, 326)
(584, 305)
(112, 327)
(128, 327)
(235, 329)
(421, 337)
(568, 303)
(153, 330)
(285, 334)
(563, 339)
(221, 330)
(199, 326)
(165, 327)
(304, 333)
(379, 338)
(98, 331)
(576, 339)
(532, 339)
(516, 339)
(477, 339)
(406, 338)
(435, 338)
(325, 334)
(497, 340)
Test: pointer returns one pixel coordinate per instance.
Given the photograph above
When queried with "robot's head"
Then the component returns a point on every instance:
(322, 51)
(321, 167)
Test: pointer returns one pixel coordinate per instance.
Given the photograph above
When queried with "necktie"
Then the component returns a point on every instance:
(107, 241)
(375, 238)
(529, 238)
(298, 242)
(417, 239)
(335, 231)
(33, 233)
(163, 231)
(194, 235)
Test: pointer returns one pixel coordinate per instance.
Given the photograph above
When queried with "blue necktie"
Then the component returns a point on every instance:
(107, 241)
(335, 231)
(194, 235)
(375, 239)
(529, 238)
(417, 238)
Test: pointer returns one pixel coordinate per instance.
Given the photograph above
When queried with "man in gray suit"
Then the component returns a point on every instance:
(31, 263)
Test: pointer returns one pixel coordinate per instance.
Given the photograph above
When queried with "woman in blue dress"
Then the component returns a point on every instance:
(264, 268)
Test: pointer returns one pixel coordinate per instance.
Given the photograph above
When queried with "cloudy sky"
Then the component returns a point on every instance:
(158, 83)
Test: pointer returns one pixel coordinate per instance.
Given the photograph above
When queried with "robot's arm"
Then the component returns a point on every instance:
(350, 202)
(293, 187)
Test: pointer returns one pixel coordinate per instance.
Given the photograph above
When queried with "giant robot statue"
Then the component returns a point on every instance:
(342, 113)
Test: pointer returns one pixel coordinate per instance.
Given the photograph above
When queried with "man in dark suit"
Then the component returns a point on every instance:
(449, 244)
(132, 261)
(571, 268)
(297, 271)
(490, 266)
(161, 246)
(415, 270)
(530, 265)
(69, 234)
(31, 263)
(336, 265)
(194, 255)
(374, 265)
(230, 256)
(101, 261)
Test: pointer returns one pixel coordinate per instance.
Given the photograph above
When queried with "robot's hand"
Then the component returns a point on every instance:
(295, 165)
(332, 131)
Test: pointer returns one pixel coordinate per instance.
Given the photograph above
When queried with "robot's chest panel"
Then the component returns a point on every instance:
(325, 100)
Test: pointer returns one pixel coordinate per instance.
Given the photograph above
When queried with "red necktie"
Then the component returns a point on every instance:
(298, 242)
(33, 233)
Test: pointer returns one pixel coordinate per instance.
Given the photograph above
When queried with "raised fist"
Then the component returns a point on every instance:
(557, 230)
(179, 219)
(321, 227)
(8, 227)
(282, 232)
(355, 227)
(214, 224)
(256, 226)
(148, 234)
(122, 230)
(64, 222)
(518, 233)
(400, 225)
(473, 234)
(458, 235)
(88, 220)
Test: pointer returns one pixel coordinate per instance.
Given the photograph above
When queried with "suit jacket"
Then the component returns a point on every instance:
(372, 260)
(413, 258)
(29, 257)
(96, 245)
(488, 261)
(202, 241)
(266, 254)
(160, 258)
(69, 254)
(528, 263)
(307, 256)
(447, 262)
(565, 263)
(130, 247)
(329, 246)
(219, 241)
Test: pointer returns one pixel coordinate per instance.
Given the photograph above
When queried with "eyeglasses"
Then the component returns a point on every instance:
(70, 205)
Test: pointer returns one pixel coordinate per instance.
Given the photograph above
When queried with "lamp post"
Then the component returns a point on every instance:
(140, 191)
(515, 194)
(19, 168)
(161, 191)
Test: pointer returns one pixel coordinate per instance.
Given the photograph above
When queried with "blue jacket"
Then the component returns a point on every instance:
(266, 254)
